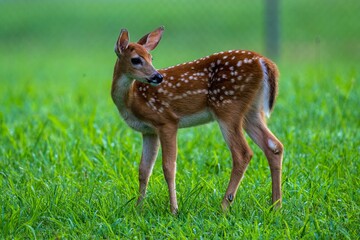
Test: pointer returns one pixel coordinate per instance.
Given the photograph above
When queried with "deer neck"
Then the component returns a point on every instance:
(121, 91)
(121, 86)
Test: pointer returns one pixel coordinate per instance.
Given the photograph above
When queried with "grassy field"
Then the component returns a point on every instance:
(68, 164)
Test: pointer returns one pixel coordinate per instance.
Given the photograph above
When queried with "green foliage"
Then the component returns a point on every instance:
(68, 164)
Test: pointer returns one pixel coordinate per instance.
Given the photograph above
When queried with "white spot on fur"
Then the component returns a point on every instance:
(165, 104)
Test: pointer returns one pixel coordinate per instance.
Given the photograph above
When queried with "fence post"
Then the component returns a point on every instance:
(272, 29)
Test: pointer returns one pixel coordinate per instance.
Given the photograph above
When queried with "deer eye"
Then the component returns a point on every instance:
(136, 61)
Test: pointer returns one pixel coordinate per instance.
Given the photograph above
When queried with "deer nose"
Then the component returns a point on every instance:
(156, 78)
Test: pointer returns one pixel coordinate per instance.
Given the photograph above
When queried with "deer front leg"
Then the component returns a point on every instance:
(148, 157)
(167, 136)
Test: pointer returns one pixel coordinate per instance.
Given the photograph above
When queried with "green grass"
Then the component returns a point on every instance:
(68, 164)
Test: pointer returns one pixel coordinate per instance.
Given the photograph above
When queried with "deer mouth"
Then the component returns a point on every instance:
(153, 82)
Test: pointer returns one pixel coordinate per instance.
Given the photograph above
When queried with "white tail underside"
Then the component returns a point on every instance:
(266, 89)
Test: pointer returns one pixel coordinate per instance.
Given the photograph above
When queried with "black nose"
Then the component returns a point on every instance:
(157, 78)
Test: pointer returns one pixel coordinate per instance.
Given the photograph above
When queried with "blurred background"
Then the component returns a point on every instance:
(39, 39)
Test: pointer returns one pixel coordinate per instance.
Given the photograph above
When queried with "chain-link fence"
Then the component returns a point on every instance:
(307, 30)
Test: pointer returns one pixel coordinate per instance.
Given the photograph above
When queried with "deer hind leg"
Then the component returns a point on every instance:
(149, 153)
(256, 128)
(241, 156)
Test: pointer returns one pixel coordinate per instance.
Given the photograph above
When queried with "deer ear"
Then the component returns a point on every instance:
(122, 42)
(151, 40)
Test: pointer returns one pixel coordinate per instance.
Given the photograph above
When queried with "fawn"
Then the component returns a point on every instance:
(235, 88)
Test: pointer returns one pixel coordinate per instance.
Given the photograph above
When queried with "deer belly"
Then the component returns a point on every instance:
(196, 119)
